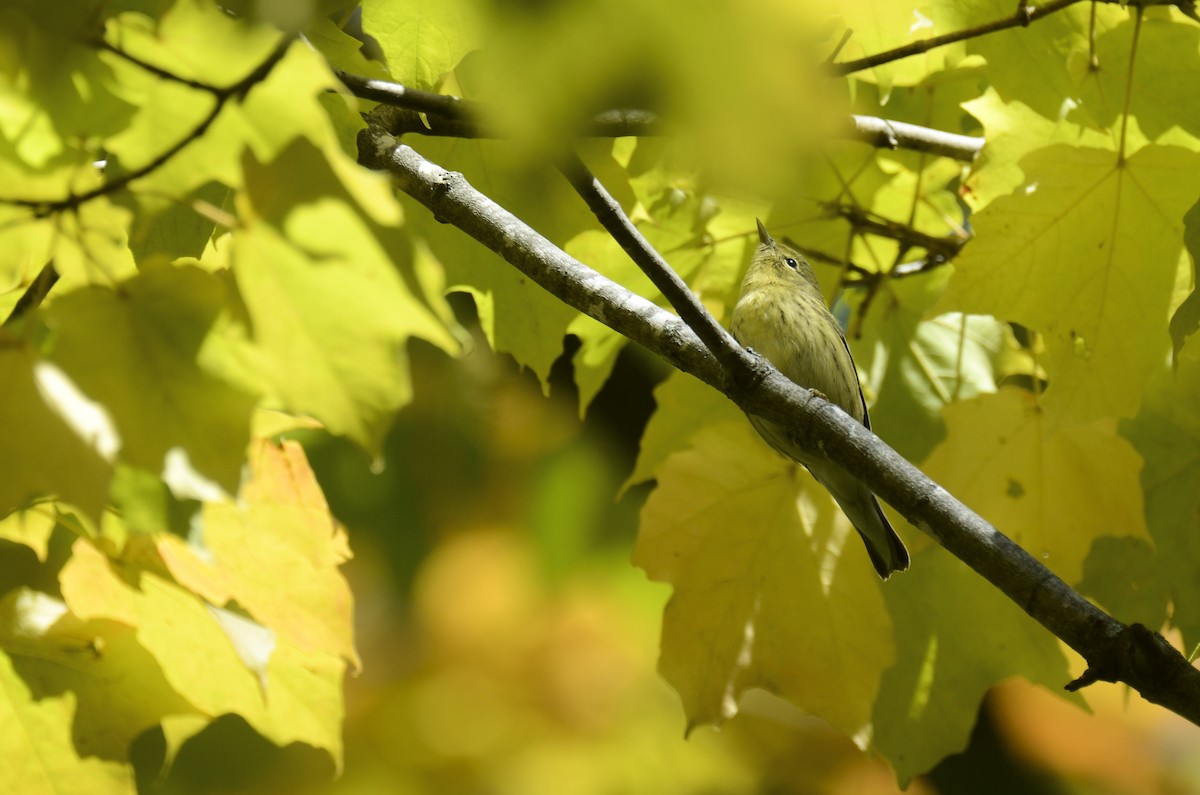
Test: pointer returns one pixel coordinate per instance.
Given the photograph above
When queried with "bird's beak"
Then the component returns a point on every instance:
(763, 235)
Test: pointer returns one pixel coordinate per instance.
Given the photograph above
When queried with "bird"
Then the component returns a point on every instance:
(781, 315)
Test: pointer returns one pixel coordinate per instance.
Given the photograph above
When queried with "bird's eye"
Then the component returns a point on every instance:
(791, 263)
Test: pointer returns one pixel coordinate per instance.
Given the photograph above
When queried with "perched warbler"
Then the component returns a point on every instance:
(782, 316)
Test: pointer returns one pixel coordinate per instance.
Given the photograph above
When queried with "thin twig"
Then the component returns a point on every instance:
(455, 117)
(401, 96)
(158, 71)
(944, 248)
(862, 276)
(34, 294)
(608, 211)
(1022, 17)
(539, 259)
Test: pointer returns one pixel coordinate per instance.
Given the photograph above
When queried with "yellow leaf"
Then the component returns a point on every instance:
(117, 689)
(37, 755)
(44, 453)
(297, 696)
(141, 350)
(276, 553)
(330, 295)
(1087, 254)
(31, 527)
(764, 596)
(1052, 490)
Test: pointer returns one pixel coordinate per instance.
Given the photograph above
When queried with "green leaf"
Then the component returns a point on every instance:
(331, 294)
(772, 586)
(852, 177)
(163, 231)
(517, 315)
(1163, 93)
(42, 438)
(1052, 490)
(91, 244)
(1167, 434)
(57, 96)
(157, 380)
(343, 51)
(289, 102)
(1123, 575)
(1013, 130)
(913, 368)
(1086, 253)
(424, 39)
(880, 25)
(1186, 319)
(37, 752)
(950, 651)
(684, 405)
(676, 232)
(1044, 65)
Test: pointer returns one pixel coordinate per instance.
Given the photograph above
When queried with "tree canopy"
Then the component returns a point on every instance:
(223, 226)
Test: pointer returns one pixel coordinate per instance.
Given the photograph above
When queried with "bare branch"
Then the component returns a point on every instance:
(886, 134)
(1114, 652)
(539, 259)
(401, 96)
(941, 248)
(409, 110)
(43, 207)
(405, 110)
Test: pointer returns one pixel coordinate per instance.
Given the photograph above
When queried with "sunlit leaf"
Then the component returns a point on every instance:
(950, 651)
(275, 553)
(37, 749)
(772, 586)
(151, 335)
(47, 455)
(1052, 490)
(1085, 253)
(328, 301)
(1167, 435)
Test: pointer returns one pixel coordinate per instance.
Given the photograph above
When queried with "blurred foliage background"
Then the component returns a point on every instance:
(508, 645)
(509, 648)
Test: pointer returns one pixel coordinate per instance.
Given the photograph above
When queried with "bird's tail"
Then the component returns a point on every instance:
(887, 551)
(862, 508)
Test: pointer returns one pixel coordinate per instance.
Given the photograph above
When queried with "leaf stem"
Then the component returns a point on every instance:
(1133, 47)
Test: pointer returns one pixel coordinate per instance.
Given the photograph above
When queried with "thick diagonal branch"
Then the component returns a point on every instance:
(1114, 651)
